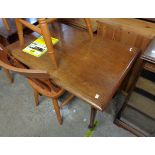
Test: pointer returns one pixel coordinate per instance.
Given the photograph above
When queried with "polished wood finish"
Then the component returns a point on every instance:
(75, 76)
(91, 69)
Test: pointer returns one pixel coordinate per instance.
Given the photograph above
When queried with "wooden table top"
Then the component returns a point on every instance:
(90, 69)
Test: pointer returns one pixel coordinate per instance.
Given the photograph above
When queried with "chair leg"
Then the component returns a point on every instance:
(36, 97)
(57, 110)
(7, 73)
(69, 98)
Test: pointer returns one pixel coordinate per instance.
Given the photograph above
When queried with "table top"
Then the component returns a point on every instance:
(149, 54)
(90, 69)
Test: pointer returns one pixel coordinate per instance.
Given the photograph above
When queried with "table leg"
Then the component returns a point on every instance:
(92, 117)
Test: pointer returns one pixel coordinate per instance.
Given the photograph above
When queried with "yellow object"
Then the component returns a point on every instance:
(90, 132)
(38, 47)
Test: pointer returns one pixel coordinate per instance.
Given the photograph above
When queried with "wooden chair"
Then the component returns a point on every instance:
(38, 79)
(43, 30)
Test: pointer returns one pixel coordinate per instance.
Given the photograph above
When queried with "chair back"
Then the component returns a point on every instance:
(39, 77)
(8, 62)
(124, 34)
(43, 30)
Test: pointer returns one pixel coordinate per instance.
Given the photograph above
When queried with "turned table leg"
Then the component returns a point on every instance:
(92, 117)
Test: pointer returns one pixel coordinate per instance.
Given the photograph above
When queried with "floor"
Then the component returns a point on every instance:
(20, 117)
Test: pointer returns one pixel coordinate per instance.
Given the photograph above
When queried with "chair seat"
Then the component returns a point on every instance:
(45, 92)
(91, 70)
